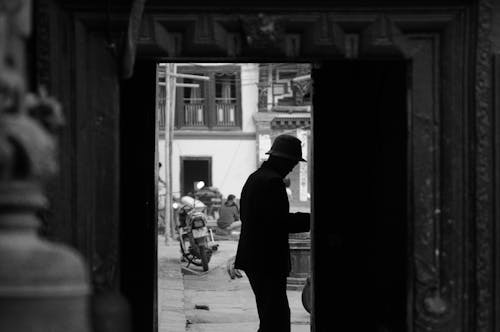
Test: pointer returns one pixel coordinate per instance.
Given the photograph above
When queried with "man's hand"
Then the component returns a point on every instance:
(233, 273)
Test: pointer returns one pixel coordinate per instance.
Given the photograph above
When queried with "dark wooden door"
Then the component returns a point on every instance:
(138, 233)
(360, 196)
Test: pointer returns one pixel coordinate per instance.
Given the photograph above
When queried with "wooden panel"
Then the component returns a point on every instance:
(359, 197)
(437, 271)
(496, 116)
(495, 34)
(138, 234)
(79, 70)
(482, 166)
(104, 107)
(53, 25)
(97, 162)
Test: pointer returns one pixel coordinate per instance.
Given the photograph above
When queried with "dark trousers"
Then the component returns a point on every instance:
(272, 302)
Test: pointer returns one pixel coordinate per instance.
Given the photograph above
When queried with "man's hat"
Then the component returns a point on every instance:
(287, 146)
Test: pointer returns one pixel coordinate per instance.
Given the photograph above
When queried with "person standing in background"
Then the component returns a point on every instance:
(229, 214)
(162, 191)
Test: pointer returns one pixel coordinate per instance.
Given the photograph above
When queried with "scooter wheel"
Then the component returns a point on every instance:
(204, 258)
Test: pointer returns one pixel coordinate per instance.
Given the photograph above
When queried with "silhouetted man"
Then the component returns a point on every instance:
(263, 249)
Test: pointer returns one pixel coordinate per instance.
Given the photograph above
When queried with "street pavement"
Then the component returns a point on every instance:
(171, 316)
(230, 303)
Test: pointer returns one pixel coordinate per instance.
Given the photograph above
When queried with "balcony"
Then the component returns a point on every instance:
(194, 114)
(226, 113)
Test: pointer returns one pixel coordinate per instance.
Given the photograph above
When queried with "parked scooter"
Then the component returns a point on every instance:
(196, 240)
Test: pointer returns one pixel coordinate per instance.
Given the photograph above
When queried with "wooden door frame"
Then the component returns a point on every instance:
(445, 95)
(457, 33)
(200, 158)
(442, 90)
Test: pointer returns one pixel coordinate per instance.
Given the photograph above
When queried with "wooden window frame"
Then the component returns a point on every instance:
(209, 93)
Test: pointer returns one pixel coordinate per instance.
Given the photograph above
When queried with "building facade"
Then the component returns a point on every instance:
(285, 107)
(224, 127)
(214, 134)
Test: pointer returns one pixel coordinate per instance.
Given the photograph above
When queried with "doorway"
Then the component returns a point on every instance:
(361, 230)
(193, 170)
(218, 139)
(361, 251)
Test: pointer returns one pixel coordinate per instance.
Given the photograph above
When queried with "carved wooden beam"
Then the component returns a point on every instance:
(382, 38)
(130, 42)
(264, 34)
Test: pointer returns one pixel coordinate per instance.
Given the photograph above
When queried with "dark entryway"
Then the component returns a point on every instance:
(360, 178)
(360, 236)
(194, 169)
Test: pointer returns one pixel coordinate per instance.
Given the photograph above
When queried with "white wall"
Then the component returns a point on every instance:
(249, 95)
(232, 161)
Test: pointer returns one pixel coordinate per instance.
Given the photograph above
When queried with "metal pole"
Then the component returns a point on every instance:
(168, 191)
(173, 90)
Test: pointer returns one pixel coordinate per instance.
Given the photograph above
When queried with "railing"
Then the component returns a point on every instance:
(225, 113)
(161, 109)
(194, 115)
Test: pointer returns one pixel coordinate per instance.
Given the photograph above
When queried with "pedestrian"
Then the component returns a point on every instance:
(229, 215)
(263, 250)
(162, 191)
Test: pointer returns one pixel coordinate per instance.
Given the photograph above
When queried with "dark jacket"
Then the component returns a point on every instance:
(229, 213)
(266, 223)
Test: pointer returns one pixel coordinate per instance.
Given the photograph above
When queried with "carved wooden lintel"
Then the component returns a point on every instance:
(306, 35)
(382, 38)
(263, 33)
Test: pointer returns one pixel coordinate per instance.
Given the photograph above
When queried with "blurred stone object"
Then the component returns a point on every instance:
(110, 310)
(43, 286)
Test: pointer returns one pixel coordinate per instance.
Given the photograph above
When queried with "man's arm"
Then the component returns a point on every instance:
(278, 203)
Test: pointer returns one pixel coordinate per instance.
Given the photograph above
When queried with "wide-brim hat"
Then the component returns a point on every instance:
(288, 147)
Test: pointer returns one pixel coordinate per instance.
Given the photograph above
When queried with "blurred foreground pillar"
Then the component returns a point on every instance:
(43, 286)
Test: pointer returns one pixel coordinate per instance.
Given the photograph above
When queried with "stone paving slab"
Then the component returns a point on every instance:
(238, 327)
(171, 314)
(231, 301)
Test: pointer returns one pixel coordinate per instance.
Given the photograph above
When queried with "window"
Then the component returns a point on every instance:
(215, 104)
(194, 104)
